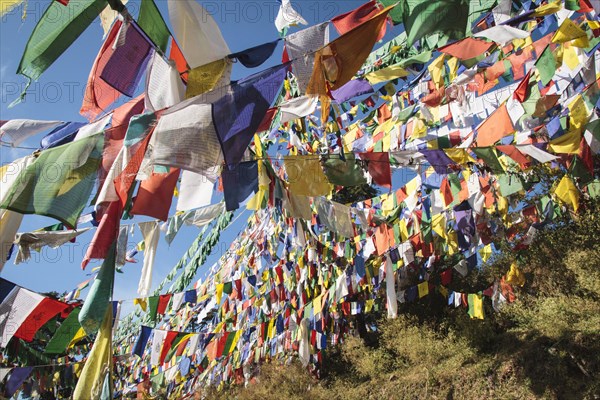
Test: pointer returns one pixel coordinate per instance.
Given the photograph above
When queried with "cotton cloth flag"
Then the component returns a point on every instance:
(15, 131)
(567, 192)
(195, 190)
(546, 65)
(466, 48)
(502, 34)
(16, 379)
(56, 30)
(305, 176)
(197, 33)
(158, 339)
(448, 16)
(127, 62)
(301, 46)
(240, 111)
(107, 16)
(337, 62)
(140, 344)
(15, 308)
(495, 127)
(75, 165)
(204, 78)
(346, 22)
(297, 108)
(10, 220)
(92, 383)
(64, 334)
(255, 56)
(37, 240)
(238, 183)
(47, 309)
(390, 289)
(155, 194)
(99, 296)
(185, 138)
(153, 24)
(99, 95)
(151, 233)
(287, 16)
(475, 301)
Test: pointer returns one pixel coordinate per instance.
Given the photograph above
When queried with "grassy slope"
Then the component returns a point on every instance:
(545, 345)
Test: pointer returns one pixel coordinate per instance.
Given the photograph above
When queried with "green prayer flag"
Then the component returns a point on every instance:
(424, 18)
(153, 307)
(594, 189)
(579, 170)
(59, 182)
(509, 184)
(153, 24)
(344, 173)
(489, 156)
(228, 342)
(56, 30)
(572, 5)
(396, 12)
(100, 295)
(228, 287)
(65, 333)
(546, 65)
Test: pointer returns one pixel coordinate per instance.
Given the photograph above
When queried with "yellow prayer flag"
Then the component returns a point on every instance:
(567, 192)
(438, 224)
(486, 252)
(568, 31)
(568, 143)
(219, 291)
(475, 305)
(459, 156)
(547, 9)
(514, 276)
(423, 288)
(80, 334)
(306, 177)
(142, 303)
(208, 77)
(435, 69)
(386, 74)
(98, 366)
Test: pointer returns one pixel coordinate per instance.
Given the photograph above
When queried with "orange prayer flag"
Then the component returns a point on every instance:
(516, 155)
(495, 127)
(337, 62)
(180, 63)
(467, 48)
(155, 195)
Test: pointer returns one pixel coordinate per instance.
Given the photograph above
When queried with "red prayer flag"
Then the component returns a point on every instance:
(99, 94)
(350, 20)
(163, 302)
(378, 165)
(521, 91)
(105, 235)
(44, 311)
(155, 195)
(171, 335)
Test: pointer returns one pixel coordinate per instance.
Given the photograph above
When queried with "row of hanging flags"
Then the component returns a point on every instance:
(469, 99)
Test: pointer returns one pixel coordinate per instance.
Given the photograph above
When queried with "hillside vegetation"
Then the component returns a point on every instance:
(544, 345)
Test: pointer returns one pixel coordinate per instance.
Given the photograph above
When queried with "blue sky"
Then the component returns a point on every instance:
(57, 96)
